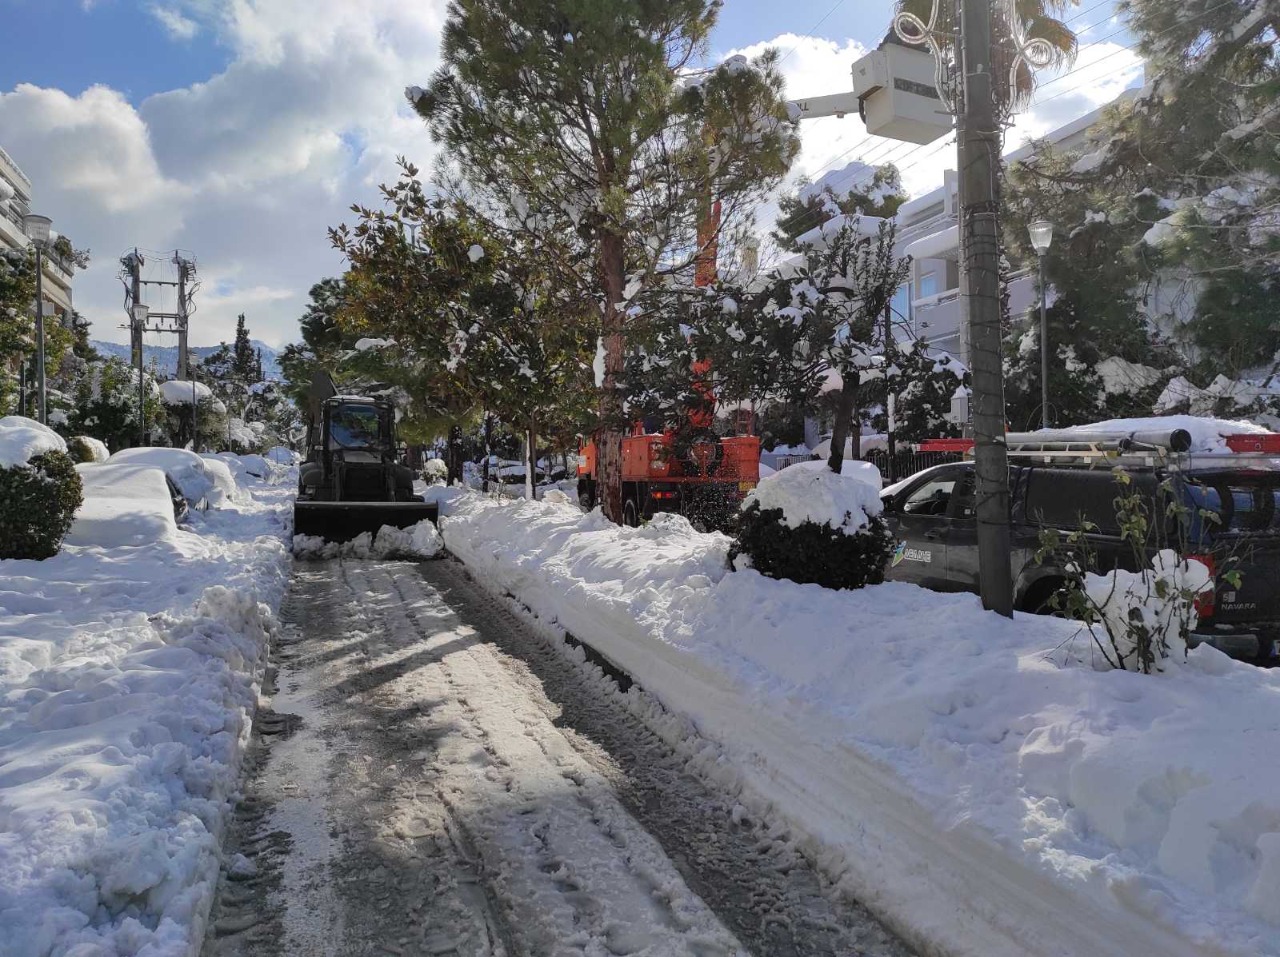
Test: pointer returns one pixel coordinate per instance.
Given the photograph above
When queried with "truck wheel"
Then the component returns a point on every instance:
(630, 516)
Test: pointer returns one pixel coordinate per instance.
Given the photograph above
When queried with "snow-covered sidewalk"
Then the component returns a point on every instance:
(128, 678)
(972, 779)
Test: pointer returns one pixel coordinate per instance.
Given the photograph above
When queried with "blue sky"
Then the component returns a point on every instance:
(242, 130)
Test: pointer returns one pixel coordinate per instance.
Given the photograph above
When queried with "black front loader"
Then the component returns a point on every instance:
(352, 480)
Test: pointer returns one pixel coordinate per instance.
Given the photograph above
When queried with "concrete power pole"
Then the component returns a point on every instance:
(184, 358)
(979, 138)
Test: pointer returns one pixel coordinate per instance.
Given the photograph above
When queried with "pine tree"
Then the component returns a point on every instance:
(242, 361)
(855, 190)
(580, 120)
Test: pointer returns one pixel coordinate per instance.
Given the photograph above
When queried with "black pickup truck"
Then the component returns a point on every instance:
(932, 516)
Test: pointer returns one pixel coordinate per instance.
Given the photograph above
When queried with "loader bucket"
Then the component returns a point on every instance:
(343, 521)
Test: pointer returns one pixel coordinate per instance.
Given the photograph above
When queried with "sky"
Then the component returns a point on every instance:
(240, 130)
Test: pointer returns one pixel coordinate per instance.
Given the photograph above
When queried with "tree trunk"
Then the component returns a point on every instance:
(488, 449)
(609, 438)
(840, 432)
(531, 464)
(454, 456)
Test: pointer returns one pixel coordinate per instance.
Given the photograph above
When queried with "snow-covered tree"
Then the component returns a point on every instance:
(854, 190)
(592, 121)
(804, 330)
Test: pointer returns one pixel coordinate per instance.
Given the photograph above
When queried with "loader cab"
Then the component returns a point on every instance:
(358, 425)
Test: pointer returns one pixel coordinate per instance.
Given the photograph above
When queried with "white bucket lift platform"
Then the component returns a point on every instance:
(893, 92)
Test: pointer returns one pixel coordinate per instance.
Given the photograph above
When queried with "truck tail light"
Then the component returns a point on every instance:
(1206, 601)
(662, 496)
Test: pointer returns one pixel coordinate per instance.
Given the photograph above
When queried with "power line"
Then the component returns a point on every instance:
(809, 34)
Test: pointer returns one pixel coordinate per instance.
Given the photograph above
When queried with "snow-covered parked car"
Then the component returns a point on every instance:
(201, 480)
(126, 505)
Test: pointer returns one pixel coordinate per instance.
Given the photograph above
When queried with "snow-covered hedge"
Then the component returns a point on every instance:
(808, 524)
(435, 471)
(39, 489)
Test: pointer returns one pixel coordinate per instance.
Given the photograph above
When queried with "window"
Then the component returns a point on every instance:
(928, 285)
(354, 427)
(931, 498)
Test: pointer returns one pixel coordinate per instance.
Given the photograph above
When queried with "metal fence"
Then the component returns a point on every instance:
(907, 461)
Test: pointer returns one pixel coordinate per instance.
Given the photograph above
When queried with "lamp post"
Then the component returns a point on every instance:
(140, 313)
(1041, 239)
(37, 229)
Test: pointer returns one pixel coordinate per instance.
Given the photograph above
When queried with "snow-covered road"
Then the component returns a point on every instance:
(433, 778)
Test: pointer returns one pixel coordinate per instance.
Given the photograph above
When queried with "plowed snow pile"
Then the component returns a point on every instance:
(978, 781)
(129, 668)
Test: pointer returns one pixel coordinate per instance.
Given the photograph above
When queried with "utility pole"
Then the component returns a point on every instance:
(184, 358)
(979, 137)
(137, 326)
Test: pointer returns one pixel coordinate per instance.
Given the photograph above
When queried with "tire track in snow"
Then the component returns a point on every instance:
(426, 803)
(750, 873)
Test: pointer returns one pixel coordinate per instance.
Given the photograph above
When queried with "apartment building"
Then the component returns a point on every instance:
(929, 232)
(15, 203)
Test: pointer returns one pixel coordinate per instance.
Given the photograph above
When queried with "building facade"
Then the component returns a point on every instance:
(15, 203)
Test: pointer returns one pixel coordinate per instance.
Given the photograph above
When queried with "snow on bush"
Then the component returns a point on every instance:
(198, 478)
(22, 439)
(124, 505)
(808, 524)
(179, 392)
(943, 759)
(1149, 614)
(811, 492)
(39, 489)
(417, 541)
(85, 448)
(435, 471)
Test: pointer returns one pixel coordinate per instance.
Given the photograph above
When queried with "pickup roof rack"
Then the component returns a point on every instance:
(1169, 448)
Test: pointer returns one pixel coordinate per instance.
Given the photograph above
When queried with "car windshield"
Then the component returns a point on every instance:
(354, 427)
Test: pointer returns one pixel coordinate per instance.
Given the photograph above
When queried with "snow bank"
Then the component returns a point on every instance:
(283, 456)
(811, 492)
(128, 677)
(417, 541)
(199, 478)
(976, 780)
(124, 505)
(22, 439)
(1207, 435)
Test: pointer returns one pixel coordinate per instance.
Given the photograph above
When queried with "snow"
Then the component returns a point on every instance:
(417, 541)
(1121, 377)
(1207, 434)
(364, 345)
(22, 439)
(986, 785)
(199, 479)
(128, 677)
(283, 456)
(179, 391)
(811, 492)
(475, 253)
(597, 364)
(1090, 161)
(124, 505)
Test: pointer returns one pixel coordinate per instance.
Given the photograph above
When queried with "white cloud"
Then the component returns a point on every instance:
(175, 24)
(248, 169)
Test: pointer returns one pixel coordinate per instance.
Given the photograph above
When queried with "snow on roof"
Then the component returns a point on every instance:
(821, 235)
(1207, 435)
(197, 477)
(179, 391)
(124, 505)
(22, 439)
(811, 492)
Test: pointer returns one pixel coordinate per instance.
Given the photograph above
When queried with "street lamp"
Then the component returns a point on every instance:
(140, 313)
(37, 229)
(1041, 239)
